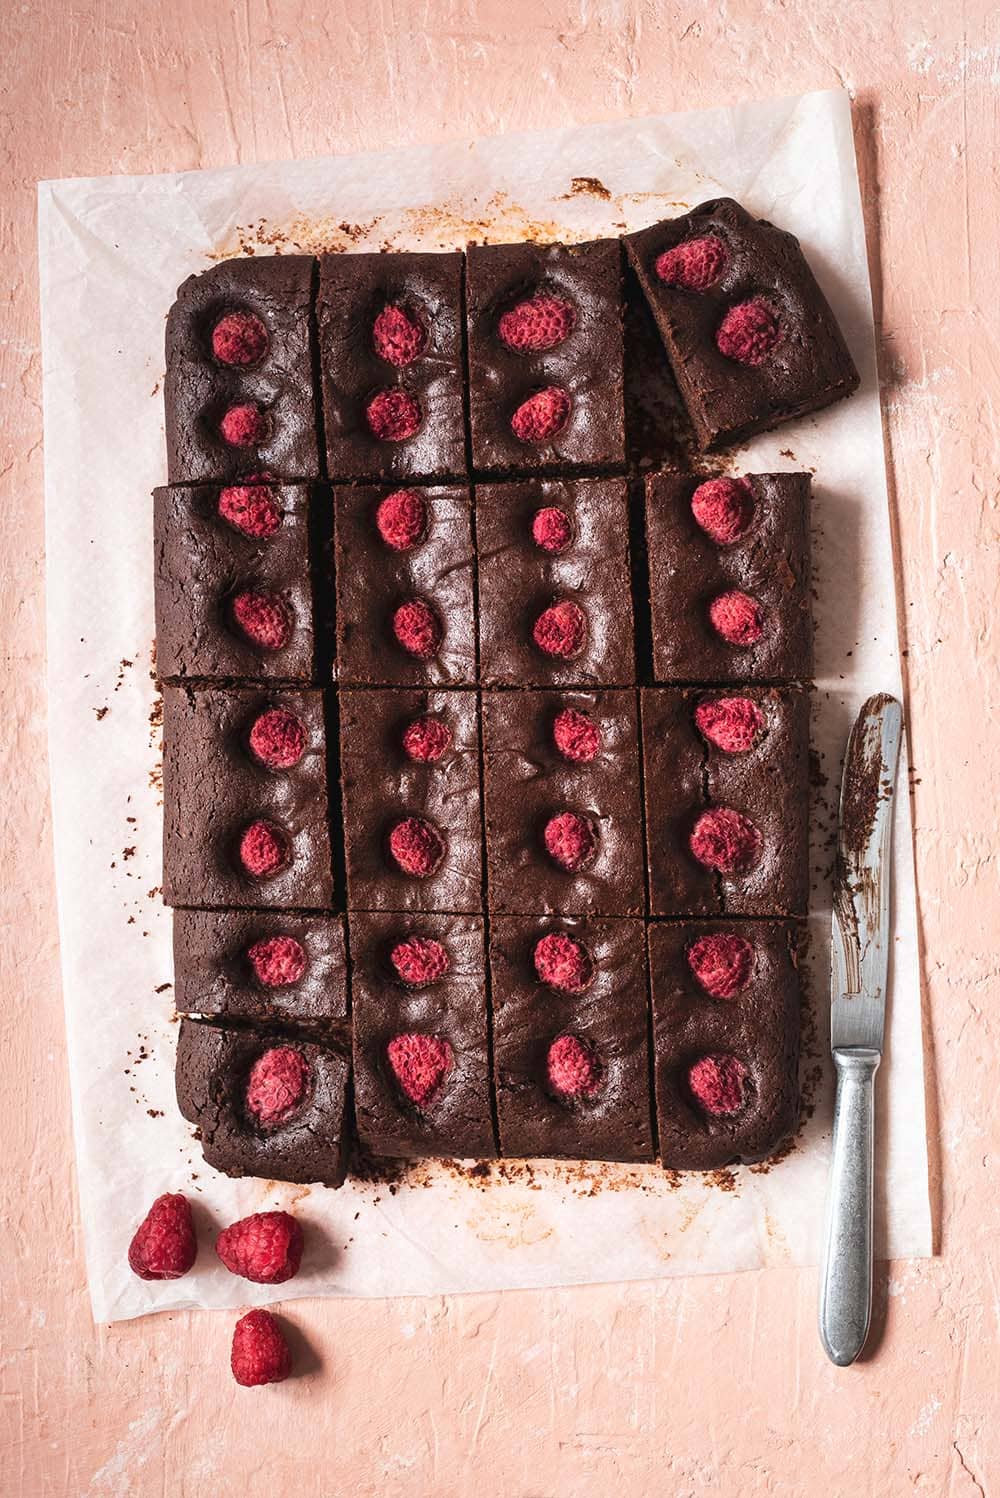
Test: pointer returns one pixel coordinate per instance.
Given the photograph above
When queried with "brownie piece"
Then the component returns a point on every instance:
(555, 600)
(245, 803)
(263, 966)
(730, 610)
(563, 809)
(421, 1058)
(546, 356)
(758, 852)
(265, 1105)
(238, 390)
(404, 566)
(410, 776)
(571, 1063)
(725, 1047)
(390, 343)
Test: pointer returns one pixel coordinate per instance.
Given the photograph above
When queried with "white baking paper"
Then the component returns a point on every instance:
(112, 250)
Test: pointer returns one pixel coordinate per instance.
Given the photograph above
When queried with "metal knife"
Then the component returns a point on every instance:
(860, 960)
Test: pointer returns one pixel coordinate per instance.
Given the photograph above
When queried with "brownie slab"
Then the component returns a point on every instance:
(605, 1023)
(236, 831)
(390, 342)
(222, 1077)
(749, 333)
(689, 571)
(438, 1020)
(530, 782)
(545, 318)
(758, 1026)
(580, 570)
(238, 390)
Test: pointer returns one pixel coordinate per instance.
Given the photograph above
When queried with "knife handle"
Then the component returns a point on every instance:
(845, 1304)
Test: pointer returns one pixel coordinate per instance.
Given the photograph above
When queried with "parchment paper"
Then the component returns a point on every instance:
(112, 250)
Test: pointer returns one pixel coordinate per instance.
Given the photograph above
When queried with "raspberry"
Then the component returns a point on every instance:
(749, 332)
(239, 338)
(552, 529)
(244, 425)
(260, 1353)
(573, 1068)
(164, 1246)
(725, 840)
(420, 1064)
(392, 415)
(277, 1085)
(561, 630)
(718, 1083)
(416, 847)
(537, 324)
(417, 628)
(278, 739)
(694, 265)
(721, 963)
(263, 850)
(541, 416)
(419, 960)
(277, 961)
(737, 617)
(265, 1248)
(250, 508)
(577, 736)
(264, 618)
(563, 962)
(723, 508)
(402, 519)
(571, 841)
(730, 723)
(398, 338)
(426, 740)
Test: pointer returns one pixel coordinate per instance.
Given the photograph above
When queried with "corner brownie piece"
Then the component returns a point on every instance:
(546, 356)
(238, 390)
(245, 802)
(725, 1040)
(729, 577)
(555, 600)
(750, 335)
(421, 1056)
(410, 776)
(727, 801)
(570, 1047)
(563, 809)
(404, 569)
(390, 345)
(265, 1105)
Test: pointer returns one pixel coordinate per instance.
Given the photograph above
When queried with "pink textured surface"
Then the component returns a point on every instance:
(685, 1386)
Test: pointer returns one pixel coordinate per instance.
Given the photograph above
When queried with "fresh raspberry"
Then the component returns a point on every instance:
(402, 519)
(725, 840)
(260, 1353)
(277, 961)
(718, 1084)
(541, 416)
(265, 1247)
(573, 1068)
(737, 617)
(426, 739)
(577, 736)
(244, 425)
(571, 841)
(721, 963)
(539, 323)
(694, 265)
(420, 1064)
(264, 618)
(278, 739)
(164, 1246)
(278, 1082)
(561, 630)
(263, 850)
(416, 847)
(723, 508)
(419, 960)
(392, 415)
(250, 508)
(749, 332)
(417, 628)
(730, 723)
(563, 962)
(552, 529)
(398, 337)
(239, 338)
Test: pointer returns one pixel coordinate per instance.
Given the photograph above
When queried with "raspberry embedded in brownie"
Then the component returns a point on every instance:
(264, 618)
(250, 508)
(277, 738)
(245, 424)
(401, 519)
(420, 1064)
(399, 336)
(277, 1086)
(724, 509)
(537, 324)
(693, 265)
(239, 338)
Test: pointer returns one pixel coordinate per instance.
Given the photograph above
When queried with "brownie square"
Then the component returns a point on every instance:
(751, 337)
(533, 782)
(768, 563)
(216, 1089)
(428, 1094)
(262, 966)
(390, 344)
(545, 318)
(754, 1019)
(605, 1019)
(580, 570)
(238, 390)
(688, 776)
(405, 613)
(230, 605)
(412, 821)
(237, 832)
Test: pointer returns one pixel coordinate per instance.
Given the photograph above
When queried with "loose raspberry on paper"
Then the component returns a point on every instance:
(265, 1247)
(164, 1246)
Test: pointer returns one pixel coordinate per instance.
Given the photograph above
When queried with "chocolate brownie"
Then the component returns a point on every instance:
(421, 1057)
(390, 341)
(729, 577)
(267, 967)
(233, 592)
(750, 335)
(570, 1047)
(555, 601)
(727, 801)
(725, 1040)
(563, 809)
(546, 356)
(238, 390)
(404, 565)
(410, 776)
(244, 797)
(265, 1105)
